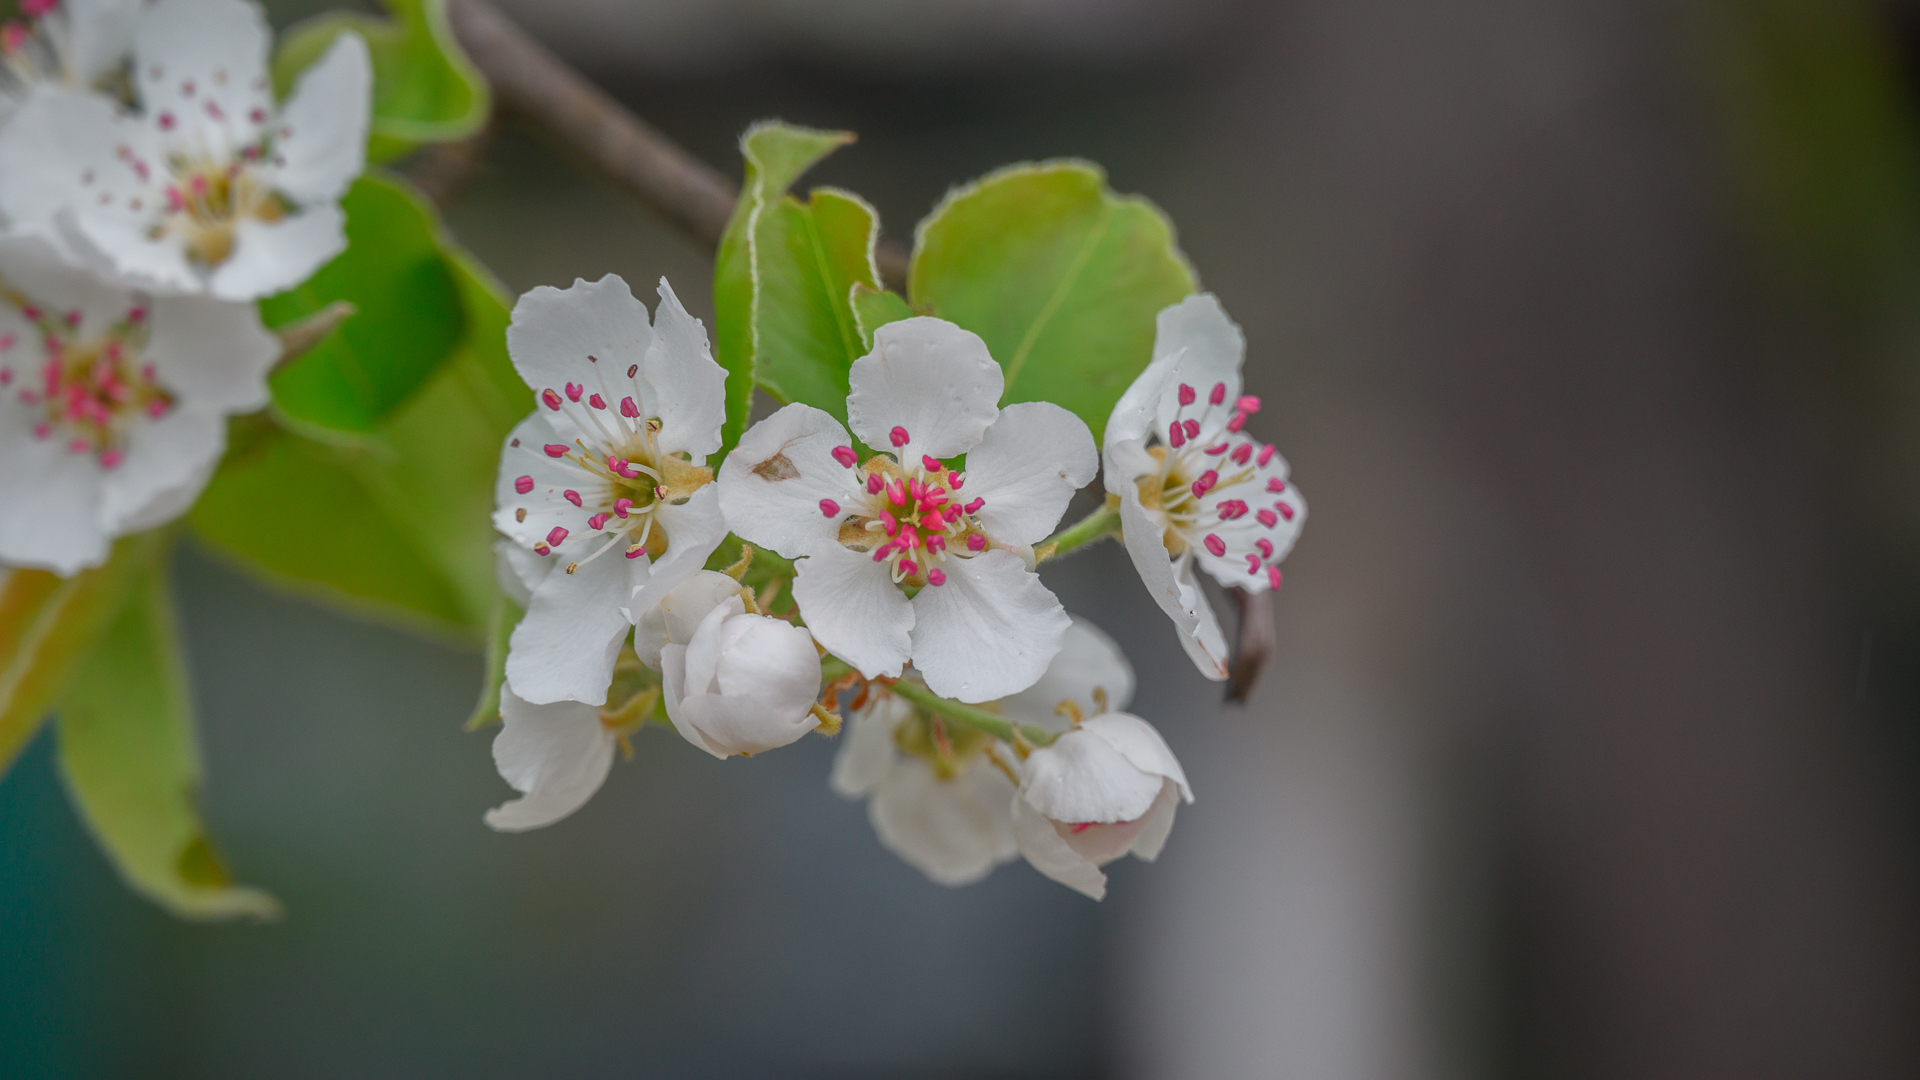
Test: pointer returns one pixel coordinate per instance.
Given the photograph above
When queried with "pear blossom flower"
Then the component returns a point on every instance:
(735, 682)
(607, 478)
(556, 755)
(937, 798)
(113, 405)
(81, 45)
(1108, 787)
(212, 188)
(906, 557)
(1194, 488)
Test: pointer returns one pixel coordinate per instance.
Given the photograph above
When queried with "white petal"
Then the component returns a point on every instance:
(853, 607)
(1141, 745)
(772, 483)
(1134, 415)
(1213, 348)
(554, 331)
(205, 61)
(519, 570)
(1083, 778)
(273, 256)
(954, 831)
(692, 388)
(930, 377)
(760, 675)
(165, 465)
(706, 645)
(323, 141)
(213, 353)
(694, 528)
(556, 755)
(49, 500)
(545, 502)
(673, 666)
(1173, 589)
(773, 662)
(679, 613)
(1034, 457)
(740, 726)
(990, 631)
(32, 266)
(1050, 854)
(565, 647)
(1158, 823)
(1088, 660)
(866, 748)
(99, 37)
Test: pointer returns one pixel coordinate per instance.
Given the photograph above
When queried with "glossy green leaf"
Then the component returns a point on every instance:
(782, 277)
(49, 624)
(409, 315)
(1061, 277)
(874, 308)
(128, 754)
(424, 87)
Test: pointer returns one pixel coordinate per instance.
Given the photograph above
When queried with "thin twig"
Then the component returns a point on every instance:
(1255, 645)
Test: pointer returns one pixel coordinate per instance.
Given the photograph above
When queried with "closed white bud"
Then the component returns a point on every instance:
(734, 682)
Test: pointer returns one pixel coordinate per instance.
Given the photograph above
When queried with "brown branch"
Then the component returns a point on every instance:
(567, 108)
(1256, 642)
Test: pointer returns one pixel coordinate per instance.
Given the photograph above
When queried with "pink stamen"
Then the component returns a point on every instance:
(1186, 394)
(542, 549)
(954, 480)
(1268, 518)
(845, 456)
(1217, 450)
(555, 450)
(976, 542)
(874, 483)
(1266, 455)
(622, 505)
(574, 390)
(1177, 436)
(109, 458)
(1253, 563)
(1219, 394)
(829, 508)
(628, 409)
(635, 552)
(899, 436)
(552, 399)
(1265, 547)
(13, 37)
(974, 506)
(42, 429)
(1273, 576)
(597, 522)
(1285, 510)
(1216, 545)
(523, 485)
(166, 121)
(896, 493)
(557, 536)
(597, 401)
(1276, 485)
(880, 553)
(890, 523)
(931, 464)
(907, 568)
(1205, 483)
(1242, 455)
(571, 496)
(936, 543)
(1238, 421)
(936, 576)
(1248, 404)
(1192, 428)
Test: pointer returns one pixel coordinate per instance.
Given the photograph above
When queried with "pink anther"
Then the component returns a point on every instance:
(974, 506)
(1217, 450)
(1236, 422)
(1265, 547)
(574, 390)
(829, 508)
(597, 522)
(1177, 436)
(523, 485)
(551, 399)
(556, 536)
(542, 549)
(931, 464)
(874, 483)
(976, 542)
(1285, 510)
(1247, 404)
(1268, 518)
(908, 568)
(1216, 545)
(571, 496)
(622, 505)
(1218, 395)
(936, 576)
(109, 458)
(1242, 454)
(1192, 428)
(954, 480)
(1253, 563)
(1186, 394)
(899, 436)
(1273, 576)
(1266, 455)
(556, 450)
(845, 456)
(1205, 483)
(597, 401)
(628, 409)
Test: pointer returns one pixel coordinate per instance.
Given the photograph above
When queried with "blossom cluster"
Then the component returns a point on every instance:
(984, 721)
(151, 189)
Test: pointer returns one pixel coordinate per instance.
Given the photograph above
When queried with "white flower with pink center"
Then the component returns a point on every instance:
(1107, 788)
(76, 44)
(1194, 488)
(113, 405)
(910, 555)
(939, 794)
(212, 188)
(607, 479)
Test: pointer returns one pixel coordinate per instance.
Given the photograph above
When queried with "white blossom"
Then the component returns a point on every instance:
(936, 796)
(556, 755)
(904, 557)
(80, 45)
(1194, 488)
(113, 405)
(606, 479)
(1108, 787)
(211, 188)
(739, 682)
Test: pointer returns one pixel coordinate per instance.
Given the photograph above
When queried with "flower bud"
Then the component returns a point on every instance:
(1106, 788)
(737, 683)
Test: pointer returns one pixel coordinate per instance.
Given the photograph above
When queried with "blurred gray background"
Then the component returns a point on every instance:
(1589, 748)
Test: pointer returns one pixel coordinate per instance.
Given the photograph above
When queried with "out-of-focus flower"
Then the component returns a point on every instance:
(113, 405)
(740, 682)
(80, 45)
(937, 798)
(607, 477)
(904, 557)
(212, 188)
(1108, 787)
(1194, 488)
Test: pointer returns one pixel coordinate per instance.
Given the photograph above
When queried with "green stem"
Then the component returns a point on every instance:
(971, 715)
(1101, 523)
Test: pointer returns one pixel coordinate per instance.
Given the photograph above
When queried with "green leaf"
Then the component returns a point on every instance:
(783, 275)
(128, 753)
(506, 616)
(874, 308)
(48, 625)
(424, 87)
(409, 315)
(1061, 277)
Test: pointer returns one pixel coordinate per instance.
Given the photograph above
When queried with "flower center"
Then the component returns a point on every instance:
(623, 477)
(87, 392)
(911, 515)
(209, 198)
(1210, 479)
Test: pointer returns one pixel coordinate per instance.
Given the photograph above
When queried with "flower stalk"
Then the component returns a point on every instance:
(1102, 523)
